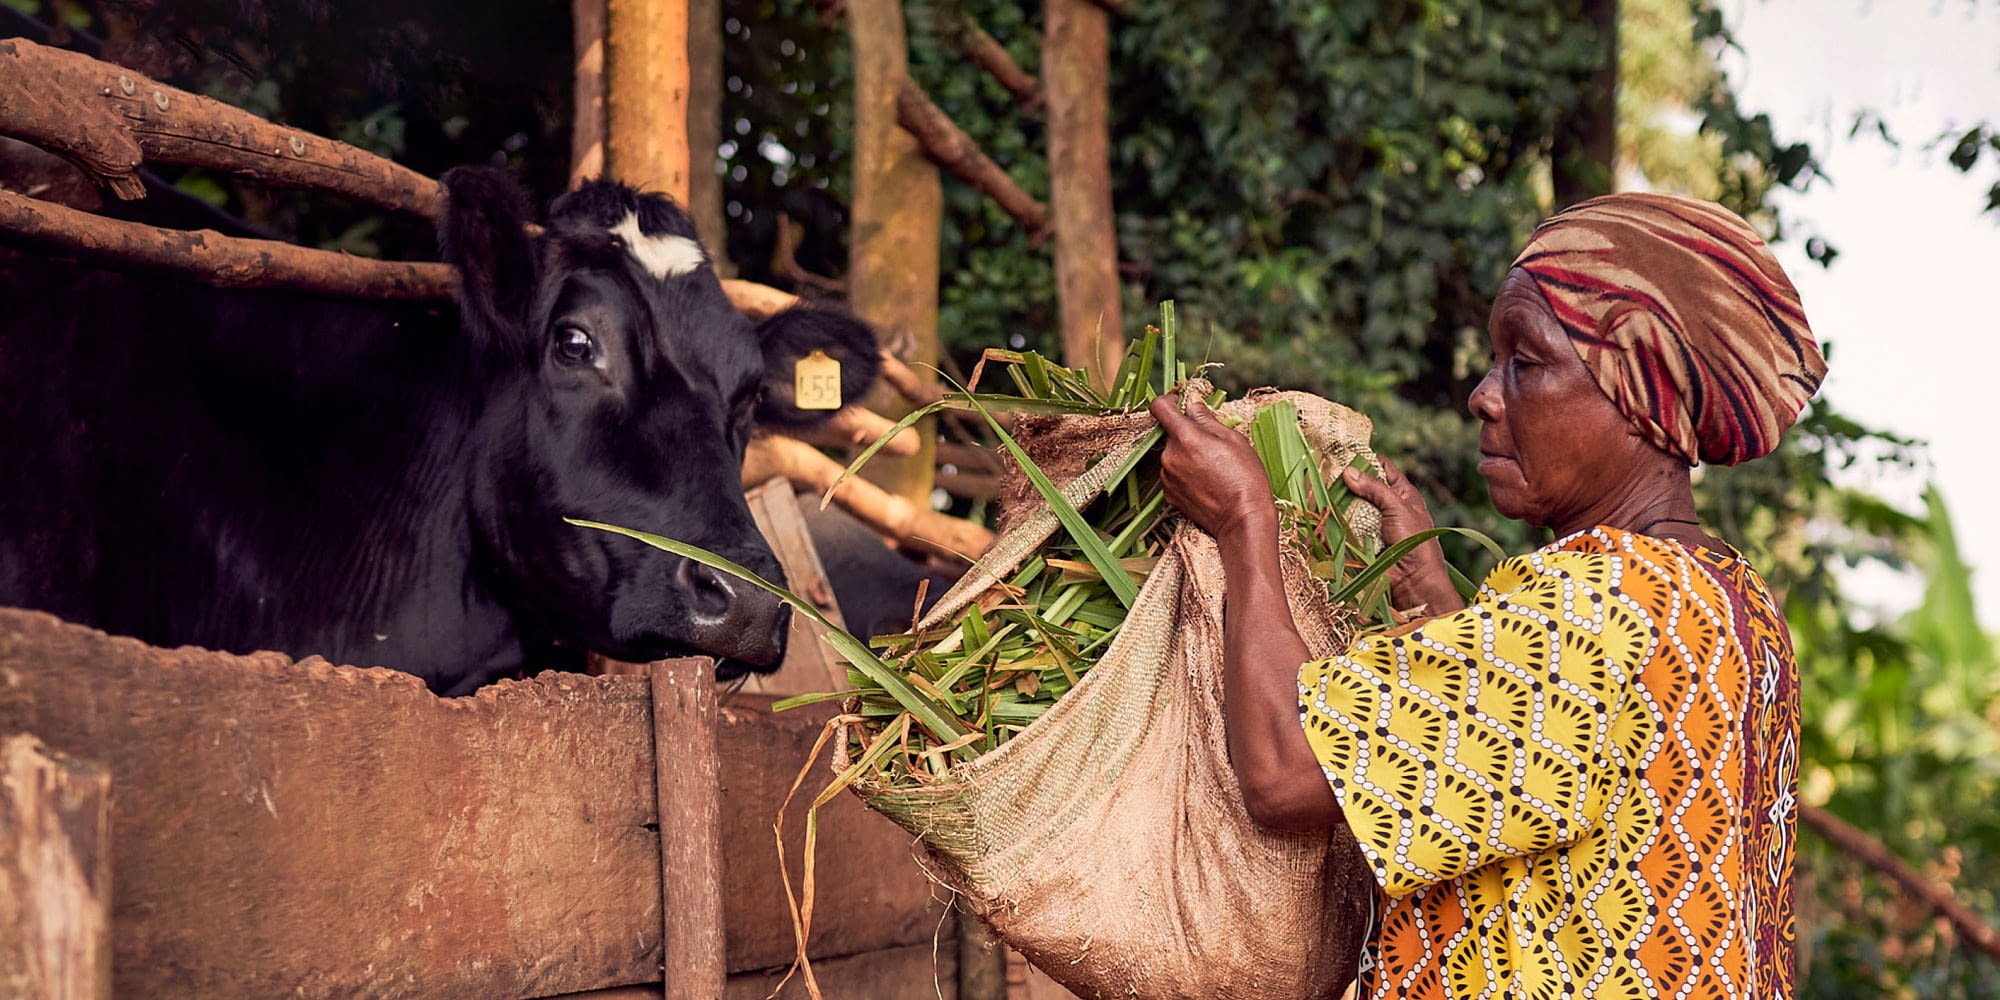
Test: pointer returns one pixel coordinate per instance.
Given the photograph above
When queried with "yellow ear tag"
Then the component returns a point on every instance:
(816, 382)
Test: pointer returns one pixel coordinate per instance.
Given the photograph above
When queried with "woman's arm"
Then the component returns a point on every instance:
(1211, 473)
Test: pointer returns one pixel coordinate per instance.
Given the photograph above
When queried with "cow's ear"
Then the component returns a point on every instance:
(485, 236)
(793, 335)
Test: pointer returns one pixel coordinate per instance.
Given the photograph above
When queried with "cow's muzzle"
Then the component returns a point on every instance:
(731, 619)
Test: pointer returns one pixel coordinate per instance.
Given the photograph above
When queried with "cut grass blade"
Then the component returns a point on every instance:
(929, 713)
(1079, 530)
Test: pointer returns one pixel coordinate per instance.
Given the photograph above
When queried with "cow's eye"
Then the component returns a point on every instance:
(573, 346)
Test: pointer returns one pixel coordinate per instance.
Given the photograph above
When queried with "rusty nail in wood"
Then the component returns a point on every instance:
(126, 84)
(161, 100)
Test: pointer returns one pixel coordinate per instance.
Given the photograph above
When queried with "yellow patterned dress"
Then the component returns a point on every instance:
(1580, 786)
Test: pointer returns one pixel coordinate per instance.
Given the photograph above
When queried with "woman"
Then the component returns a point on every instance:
(1582, 783)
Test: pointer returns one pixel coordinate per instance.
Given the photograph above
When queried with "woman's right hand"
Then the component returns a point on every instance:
(1420, 581)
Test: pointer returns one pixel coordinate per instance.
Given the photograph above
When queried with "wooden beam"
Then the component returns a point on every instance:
(1076, 61)
(988, 54)
(690, 808)
(1939, 899)
(210, 258)
(55, 874)
(893, 517)
(586, 128)
(107, 120)
(944, 142)
(646, 95)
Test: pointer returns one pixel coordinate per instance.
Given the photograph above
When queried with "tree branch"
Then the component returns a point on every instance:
(1876, 855)
(955, 151)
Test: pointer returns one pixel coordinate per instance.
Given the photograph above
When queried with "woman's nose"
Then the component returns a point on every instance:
(1485, 398)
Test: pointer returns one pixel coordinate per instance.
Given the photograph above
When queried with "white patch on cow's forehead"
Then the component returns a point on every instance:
(663, 257)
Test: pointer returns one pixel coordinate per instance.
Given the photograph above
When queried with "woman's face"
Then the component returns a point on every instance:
(1552, 446)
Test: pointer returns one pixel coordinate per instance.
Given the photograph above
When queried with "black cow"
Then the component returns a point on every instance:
(385, 484)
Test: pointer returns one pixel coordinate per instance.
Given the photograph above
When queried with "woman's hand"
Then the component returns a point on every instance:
(1211, 473)
(1420, 580)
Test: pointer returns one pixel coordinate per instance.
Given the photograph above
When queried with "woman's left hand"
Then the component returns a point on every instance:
(1211, 473)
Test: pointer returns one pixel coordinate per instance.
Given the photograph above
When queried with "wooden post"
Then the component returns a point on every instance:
(898, 208)
(689, 774)
(704, 131)
(1585, 157)
(586, 130)
(55, 875)
(1076, 70)
(646, 95)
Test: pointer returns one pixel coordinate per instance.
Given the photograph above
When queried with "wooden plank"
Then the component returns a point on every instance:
(305, 829)
(55, 875)
(871, 893)
(912, 972)
(284, 828)
(810, 665)
(690, 807)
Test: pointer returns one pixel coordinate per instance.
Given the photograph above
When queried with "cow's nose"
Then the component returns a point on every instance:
(730, 618)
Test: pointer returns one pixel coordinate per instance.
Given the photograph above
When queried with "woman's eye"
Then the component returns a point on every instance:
(575, 347)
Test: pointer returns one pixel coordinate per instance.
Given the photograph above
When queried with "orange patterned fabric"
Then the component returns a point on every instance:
(1580, 786)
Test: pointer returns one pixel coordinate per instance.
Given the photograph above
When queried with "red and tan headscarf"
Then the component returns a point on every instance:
(1684, 316)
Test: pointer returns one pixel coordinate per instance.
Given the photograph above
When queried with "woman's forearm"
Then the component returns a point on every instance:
(1283, 786)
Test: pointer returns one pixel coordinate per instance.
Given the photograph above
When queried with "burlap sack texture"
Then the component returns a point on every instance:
(1108, 842)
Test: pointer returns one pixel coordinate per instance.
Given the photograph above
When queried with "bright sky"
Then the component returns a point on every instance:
(1912, 304)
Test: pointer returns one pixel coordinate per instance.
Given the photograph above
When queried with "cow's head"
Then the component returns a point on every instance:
(621, 386)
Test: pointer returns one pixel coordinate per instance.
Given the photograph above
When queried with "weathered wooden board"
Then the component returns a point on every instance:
(809, 663)
(283, 827)
(912, 972)
(871, 894)
(55, 875)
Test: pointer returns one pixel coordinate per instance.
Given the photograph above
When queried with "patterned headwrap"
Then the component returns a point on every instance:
(1684, 317)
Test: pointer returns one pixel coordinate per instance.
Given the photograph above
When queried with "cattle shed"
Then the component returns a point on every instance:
(271, 828)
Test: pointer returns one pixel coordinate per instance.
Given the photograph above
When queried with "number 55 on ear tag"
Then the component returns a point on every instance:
(816, 382)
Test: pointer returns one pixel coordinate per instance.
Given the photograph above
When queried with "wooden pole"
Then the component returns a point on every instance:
(586, 130)
(942, 140)
(210, 258)
(689, 776)
(55, 875)
(704, 130)
(1076, 66)
(1585, 157)
(1937, 898)
(897, 212)
(107, 120)
(646, 95)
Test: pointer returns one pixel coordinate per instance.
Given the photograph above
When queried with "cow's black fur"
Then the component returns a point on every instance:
(385, 484)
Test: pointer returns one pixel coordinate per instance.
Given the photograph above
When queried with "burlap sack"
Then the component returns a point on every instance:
(1108, 842)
